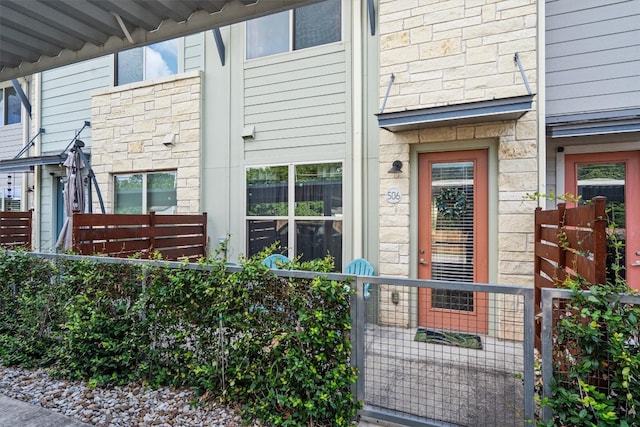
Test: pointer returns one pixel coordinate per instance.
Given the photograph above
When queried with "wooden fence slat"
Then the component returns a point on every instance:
(579, 247)
(174, 236)
(16, 229)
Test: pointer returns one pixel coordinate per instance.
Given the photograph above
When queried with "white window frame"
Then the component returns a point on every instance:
(5, 107)
(291, 217)
(180, 59)
(145, 200)
(291, 36)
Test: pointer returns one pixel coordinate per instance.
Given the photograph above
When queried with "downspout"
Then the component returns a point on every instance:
(540, 103)
(37, 172)
(356, 137)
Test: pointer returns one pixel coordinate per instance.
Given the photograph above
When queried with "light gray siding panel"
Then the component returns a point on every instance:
(579, 104)
(588, 15)
(66, 100)
(297, 99)
(556, 7)
(302, 122)
(592, 74)
(292, 106)
(310, 95)
(336, 112)
(10, 140)
(194, 52)
(626, 55)
(296, 86)
(274, 150)
(602, 43)
(592, 56)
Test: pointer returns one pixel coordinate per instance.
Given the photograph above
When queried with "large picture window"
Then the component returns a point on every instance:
(147, 63)
(307, 26)
(145, 192)
(10, 106)
(299, 206)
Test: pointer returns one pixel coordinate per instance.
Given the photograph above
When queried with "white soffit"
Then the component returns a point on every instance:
(36, 35)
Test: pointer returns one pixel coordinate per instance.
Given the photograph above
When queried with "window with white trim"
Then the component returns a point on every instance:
(139, 193)
(299, 206)
(147, 62)
(10, 106)
(312, 25)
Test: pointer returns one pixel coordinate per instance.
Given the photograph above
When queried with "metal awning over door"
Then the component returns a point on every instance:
(36, 35)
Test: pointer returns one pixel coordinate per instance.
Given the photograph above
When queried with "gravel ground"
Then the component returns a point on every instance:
(130, 405)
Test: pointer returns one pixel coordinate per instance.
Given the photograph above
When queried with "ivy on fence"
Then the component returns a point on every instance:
(278, 345)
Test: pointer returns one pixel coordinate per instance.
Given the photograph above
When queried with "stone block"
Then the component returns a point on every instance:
(389, 257)
(518, 165)
(447, 133)
(440, 48)
(495, 129)
(443, 97)
(518, 181)
(507, 26)
(394, 221)
(516, 223)
(510, 149)
(399, 235)
(421, 34)
(465, 132)
(399, 56)
(482, 54)
(136, 147)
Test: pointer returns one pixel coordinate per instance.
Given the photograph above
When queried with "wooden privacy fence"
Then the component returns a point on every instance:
(15, 230)
(569, 242)
(175, 237)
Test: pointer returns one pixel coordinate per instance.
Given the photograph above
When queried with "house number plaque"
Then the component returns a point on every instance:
(394, 195)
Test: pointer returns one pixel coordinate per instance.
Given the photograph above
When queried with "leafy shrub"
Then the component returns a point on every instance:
(30, 306)
(279, 345)
(596, 359)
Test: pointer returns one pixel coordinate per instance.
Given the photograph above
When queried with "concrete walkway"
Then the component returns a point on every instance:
(14, 413)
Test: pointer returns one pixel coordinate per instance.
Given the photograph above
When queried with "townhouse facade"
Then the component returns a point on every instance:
(420, 135)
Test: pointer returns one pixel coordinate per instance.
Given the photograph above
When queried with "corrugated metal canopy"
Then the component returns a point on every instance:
(36, 35)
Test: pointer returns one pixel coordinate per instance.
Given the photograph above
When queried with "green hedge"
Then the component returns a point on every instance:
(278, 345)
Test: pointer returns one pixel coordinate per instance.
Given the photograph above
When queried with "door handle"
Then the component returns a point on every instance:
(423, 262)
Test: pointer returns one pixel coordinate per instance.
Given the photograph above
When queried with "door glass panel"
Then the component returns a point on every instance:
(606, 179)
(452, 228)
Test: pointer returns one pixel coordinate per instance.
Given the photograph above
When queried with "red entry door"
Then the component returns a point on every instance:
(453, 238)
(616, 176)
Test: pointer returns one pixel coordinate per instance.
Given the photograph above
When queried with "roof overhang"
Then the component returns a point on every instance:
(597, 123)
(457, 114)
(37, 35)
(27, 164)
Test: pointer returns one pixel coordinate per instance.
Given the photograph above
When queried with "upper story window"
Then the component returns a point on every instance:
(10, 106)
(145, 192)
(299, 206)
(307, 26)
(148, 62)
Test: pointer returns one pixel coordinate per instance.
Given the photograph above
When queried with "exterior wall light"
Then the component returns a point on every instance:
(396, 167)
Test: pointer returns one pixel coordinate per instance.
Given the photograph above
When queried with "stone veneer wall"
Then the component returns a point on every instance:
(130, 124)
(450, 52)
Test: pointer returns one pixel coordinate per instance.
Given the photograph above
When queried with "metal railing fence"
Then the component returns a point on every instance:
(477, 372)
(435, 353)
